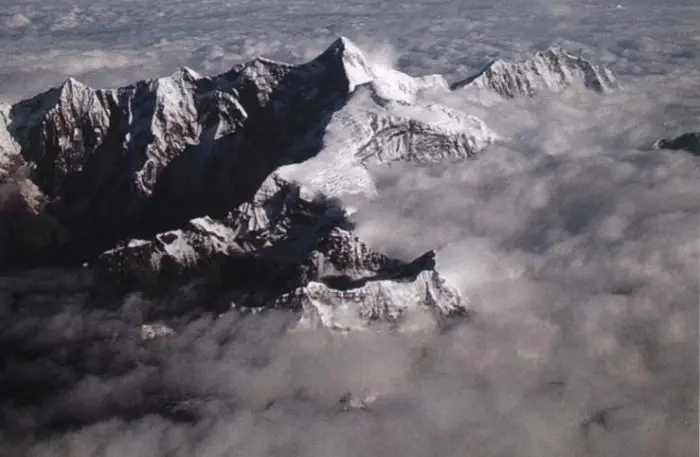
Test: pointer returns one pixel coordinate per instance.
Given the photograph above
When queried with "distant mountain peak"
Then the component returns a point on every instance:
(71, 85)
(187, 74)
(689, 142)
(553, 69)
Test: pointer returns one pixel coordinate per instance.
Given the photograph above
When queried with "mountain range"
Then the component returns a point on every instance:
(231, 185)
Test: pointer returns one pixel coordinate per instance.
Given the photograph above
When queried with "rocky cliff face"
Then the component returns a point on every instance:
(287, 249)
(230, 183)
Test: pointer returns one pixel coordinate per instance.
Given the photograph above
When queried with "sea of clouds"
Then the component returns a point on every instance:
(576, 244)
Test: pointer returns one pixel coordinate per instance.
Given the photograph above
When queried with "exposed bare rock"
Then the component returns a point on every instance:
(687, 142)
(232, 182)
(145, 158)
(26, 230)
(290, 249)
(279, 215)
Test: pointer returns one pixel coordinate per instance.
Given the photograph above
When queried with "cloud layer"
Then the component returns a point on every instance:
(577, 245)
(114, 42)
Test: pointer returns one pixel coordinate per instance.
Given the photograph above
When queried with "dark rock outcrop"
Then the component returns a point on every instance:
(686, 142)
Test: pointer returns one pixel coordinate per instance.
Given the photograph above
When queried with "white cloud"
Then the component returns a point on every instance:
(15, 21)
(577, 246)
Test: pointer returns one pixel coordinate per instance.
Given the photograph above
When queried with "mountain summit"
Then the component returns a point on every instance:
(550, 70)
(158, 183)
(230, 185)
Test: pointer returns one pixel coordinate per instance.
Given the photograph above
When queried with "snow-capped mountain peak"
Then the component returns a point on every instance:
(351, 59)
(247, 167)
(552, 69)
